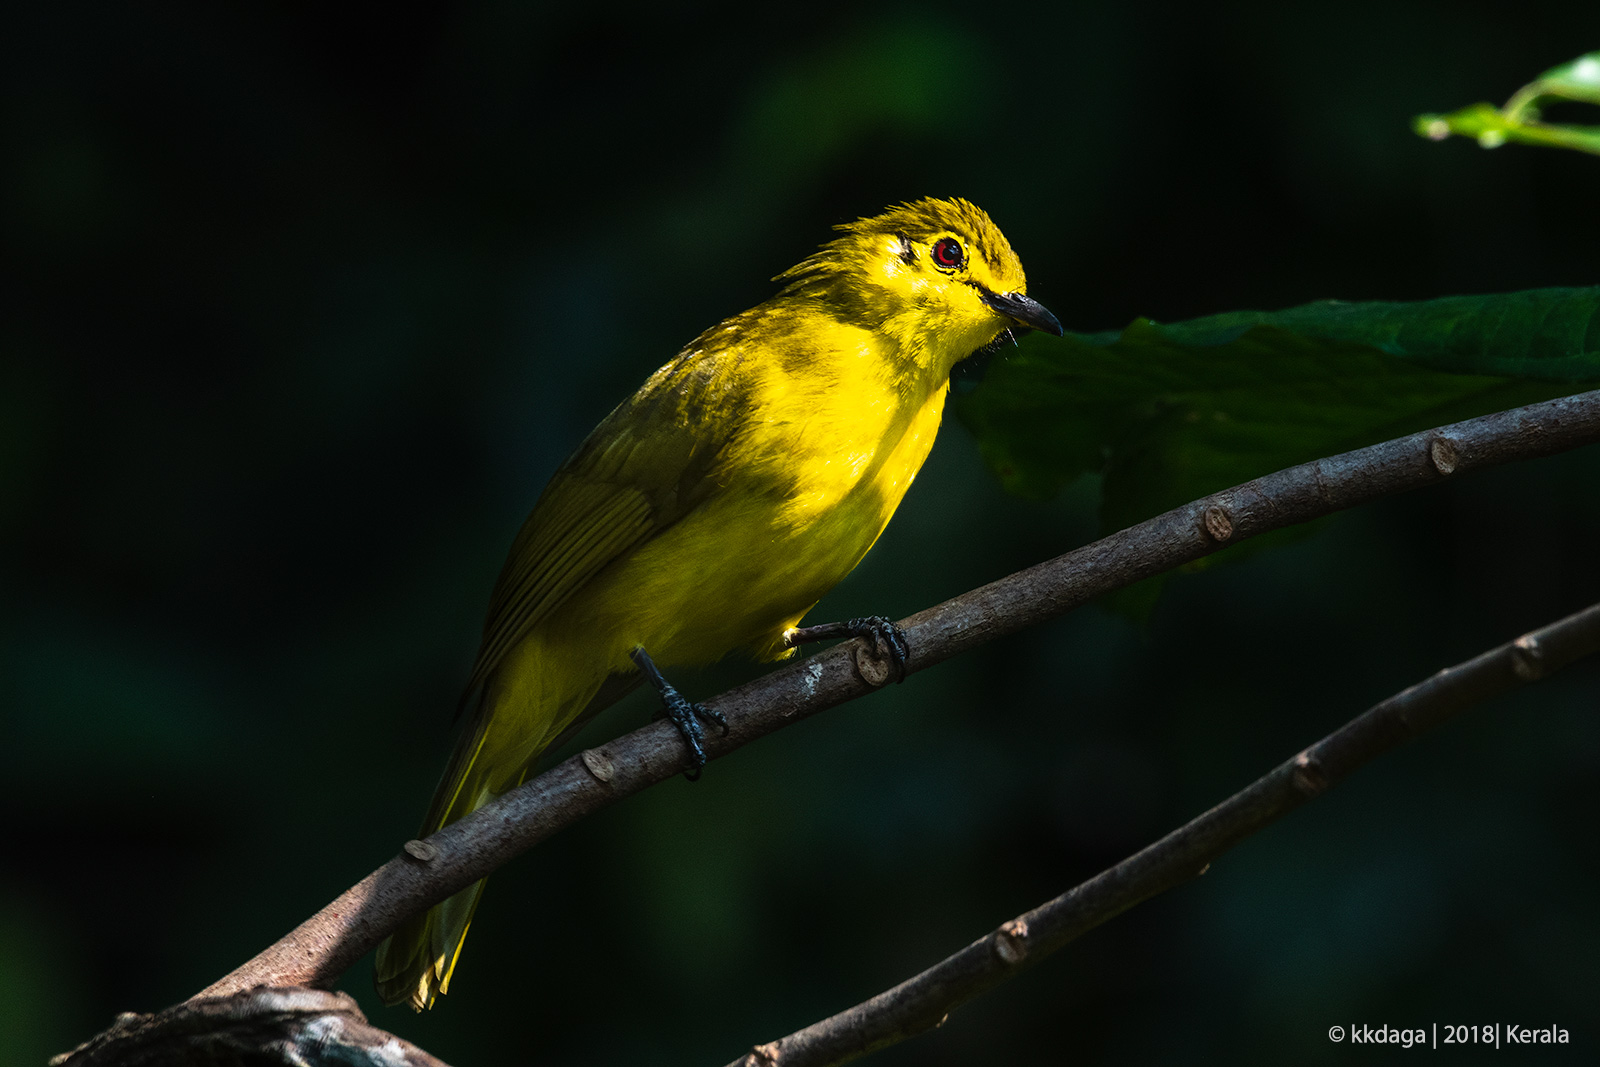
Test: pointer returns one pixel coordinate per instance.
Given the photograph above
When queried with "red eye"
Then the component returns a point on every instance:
(947, 253)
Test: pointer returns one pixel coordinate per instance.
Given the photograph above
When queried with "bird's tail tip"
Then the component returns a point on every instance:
(415, 963)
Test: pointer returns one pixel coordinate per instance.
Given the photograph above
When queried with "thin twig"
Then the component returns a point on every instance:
(322, 948)
(921, 1003)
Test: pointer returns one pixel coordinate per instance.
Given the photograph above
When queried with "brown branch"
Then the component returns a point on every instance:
(921, 1003)
(322, 948)
(261, 1027)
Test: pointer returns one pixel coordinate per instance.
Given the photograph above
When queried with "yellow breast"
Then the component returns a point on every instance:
(831, 446)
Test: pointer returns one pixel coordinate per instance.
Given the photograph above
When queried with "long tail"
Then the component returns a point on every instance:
(510, 730)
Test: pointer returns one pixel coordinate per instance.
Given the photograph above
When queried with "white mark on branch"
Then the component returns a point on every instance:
(810, 677)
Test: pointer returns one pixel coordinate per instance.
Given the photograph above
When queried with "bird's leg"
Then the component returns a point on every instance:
(684, 715)
(887, 639)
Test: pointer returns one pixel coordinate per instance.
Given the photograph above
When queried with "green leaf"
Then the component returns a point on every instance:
(1520, 119)
(1578, 80)
(1172, 413)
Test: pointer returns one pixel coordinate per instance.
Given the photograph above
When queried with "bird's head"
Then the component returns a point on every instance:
(937, 275)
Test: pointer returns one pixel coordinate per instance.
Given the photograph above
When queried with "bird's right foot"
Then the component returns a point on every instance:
(886, 640)
(686, 716)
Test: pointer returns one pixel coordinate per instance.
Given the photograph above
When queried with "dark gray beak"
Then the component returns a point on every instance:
(1024, 309)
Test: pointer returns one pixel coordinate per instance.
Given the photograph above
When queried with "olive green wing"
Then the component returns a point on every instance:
(652, 461)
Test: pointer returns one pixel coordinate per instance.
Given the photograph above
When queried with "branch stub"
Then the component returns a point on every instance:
(873, 668)
(1218, 523)
(1445, 454)
(1011, 942)
(599, 764)
(1527, 658)
(420, 851)
(1308, 775)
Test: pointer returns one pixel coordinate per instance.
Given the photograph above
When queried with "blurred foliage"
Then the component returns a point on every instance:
(1170, 413)
(1522, 118)
(305, 303)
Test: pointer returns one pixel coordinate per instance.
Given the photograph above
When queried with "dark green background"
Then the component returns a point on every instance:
(303, 306)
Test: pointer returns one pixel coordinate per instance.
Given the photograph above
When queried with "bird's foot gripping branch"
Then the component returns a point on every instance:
(884, 654)
(686, 716)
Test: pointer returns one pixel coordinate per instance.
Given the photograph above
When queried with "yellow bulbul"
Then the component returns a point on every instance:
(715, 506)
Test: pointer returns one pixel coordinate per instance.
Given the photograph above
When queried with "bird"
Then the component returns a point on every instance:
(712, 509)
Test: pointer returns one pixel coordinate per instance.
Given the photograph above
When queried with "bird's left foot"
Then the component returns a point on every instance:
(686, 716)
(886, 640)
